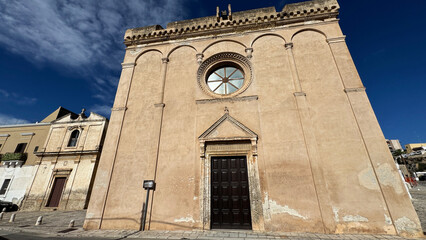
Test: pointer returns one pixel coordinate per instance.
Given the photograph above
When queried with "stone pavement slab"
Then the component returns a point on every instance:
(55, 226)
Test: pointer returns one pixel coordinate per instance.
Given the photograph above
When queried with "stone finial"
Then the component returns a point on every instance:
(82, 113)
(229, 12)
(226, 110)
(217, 14)
(12, 217)
(71, 224)
(3, 210)
(39, 221)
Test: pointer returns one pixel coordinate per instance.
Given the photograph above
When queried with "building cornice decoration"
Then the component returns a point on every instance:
(234, 99)
(240, 21)
(79, 127)
(60, 153)
(226, 117)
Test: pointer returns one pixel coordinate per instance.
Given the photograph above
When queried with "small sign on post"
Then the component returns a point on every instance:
(147, 185)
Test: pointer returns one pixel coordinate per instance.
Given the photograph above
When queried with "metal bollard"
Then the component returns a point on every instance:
(71, 223)
(1, 215)
(39, 220)
(12, 217)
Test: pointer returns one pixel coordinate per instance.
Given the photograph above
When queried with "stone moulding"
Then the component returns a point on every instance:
(224, 57)
(297, 94)
(292, 13)
(347, 90)
(42, 154)
(159, 105)
(119, 109)
(336, 39)
(206, 137)
(128, 65)
(234, 99)
(238, 144)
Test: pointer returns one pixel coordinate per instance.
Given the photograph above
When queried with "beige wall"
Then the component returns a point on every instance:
(9, 143)
(409, 147)
(320, 162)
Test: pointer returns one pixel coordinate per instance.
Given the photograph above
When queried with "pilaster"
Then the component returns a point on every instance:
(105, 169)
(311, 144)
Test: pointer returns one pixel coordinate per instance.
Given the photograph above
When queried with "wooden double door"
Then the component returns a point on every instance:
(230, 201)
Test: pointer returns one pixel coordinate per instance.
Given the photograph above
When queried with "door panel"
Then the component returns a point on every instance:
(56, 193)
(230, 204)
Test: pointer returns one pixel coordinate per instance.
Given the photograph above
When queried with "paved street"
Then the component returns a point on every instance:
(419, 201)
(55, 226)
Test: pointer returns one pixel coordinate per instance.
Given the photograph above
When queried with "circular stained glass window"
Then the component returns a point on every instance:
(225, 80)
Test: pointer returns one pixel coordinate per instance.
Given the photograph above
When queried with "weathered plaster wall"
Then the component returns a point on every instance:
(316, 137)
(21, 178)
(75, 163)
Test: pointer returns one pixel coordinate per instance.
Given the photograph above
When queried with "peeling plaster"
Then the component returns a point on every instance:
(185, 219)
(277, 209)
(388, 220)
(266, 212)
(354, 218)
(367, 179)
(404, 224)
(388, 177)
(336, 214)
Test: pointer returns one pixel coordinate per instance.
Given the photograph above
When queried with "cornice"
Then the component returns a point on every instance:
(262, 19)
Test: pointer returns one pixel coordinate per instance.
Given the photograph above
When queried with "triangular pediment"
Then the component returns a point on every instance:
(227, 128)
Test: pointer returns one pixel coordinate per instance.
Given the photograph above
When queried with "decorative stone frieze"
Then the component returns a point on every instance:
(246, 20)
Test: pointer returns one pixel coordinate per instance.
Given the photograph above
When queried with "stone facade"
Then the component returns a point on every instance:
(70, 154)
(18, 171)
(316, 158)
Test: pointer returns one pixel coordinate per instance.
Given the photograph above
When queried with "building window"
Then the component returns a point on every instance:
(225, 79)
(20, 148)
(36, 149)
(4, 186)
(73, 138)
(225, 75)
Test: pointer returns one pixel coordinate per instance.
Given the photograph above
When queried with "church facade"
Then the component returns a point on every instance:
(248, 120)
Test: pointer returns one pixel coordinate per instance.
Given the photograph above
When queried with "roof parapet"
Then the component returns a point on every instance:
(240, 21)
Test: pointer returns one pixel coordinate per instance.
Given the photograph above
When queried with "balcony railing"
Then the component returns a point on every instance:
(14, 157)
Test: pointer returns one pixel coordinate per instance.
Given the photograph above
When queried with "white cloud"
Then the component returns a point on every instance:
(10, 120)
(83, 37)
(104, 110)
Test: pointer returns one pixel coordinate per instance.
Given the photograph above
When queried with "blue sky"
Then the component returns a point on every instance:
(68, 53)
